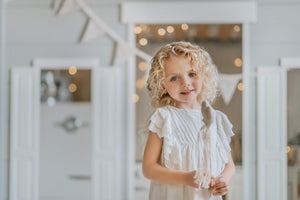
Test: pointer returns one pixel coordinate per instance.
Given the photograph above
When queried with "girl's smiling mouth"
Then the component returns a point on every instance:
(187, 92)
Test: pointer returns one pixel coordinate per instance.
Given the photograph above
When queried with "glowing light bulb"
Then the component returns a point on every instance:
(288, 149)
(161, 31)
(138, 30)
(170, 29)
(135, 98)
(142, 66)
(143, 41)
(72, 70)
(72, 87)
(237, 28)
(184, 27)
(240, 86)
(238, 62)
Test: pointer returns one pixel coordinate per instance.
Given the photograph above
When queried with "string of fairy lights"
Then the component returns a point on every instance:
(146, 34)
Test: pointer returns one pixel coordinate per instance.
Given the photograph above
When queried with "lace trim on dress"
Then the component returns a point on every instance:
(224, 129)
(160, 124)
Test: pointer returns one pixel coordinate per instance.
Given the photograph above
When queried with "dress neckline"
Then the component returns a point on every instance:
(185, 109)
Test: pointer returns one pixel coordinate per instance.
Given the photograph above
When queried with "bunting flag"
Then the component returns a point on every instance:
(91, 31)
(95, 27)
(67, 6)
(227, 85)
(122, 53)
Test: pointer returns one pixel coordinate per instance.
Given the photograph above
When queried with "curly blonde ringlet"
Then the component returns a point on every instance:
(200, 61)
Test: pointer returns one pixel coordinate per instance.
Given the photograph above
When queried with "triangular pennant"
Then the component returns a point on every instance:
(55, 4)
(122, 52)
(227, 85)
(91, 31)
(67, 6)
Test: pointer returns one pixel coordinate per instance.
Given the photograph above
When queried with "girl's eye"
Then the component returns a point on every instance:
(174, 78)
(192, 74)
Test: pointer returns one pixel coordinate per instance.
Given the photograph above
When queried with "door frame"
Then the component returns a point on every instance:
(40, 64)
(192, 13)
(287, 63)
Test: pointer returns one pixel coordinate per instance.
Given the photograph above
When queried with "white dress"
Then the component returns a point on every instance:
(191, 142)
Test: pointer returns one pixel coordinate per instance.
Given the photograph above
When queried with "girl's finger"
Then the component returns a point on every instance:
(219, 185)
(212, 183)
(222, 190)
(220, 194)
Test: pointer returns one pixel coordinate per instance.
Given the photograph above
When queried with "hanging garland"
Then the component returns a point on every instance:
(95, 27)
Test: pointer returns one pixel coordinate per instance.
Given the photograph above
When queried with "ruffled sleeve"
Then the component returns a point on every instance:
(157, 122)
(224, 129)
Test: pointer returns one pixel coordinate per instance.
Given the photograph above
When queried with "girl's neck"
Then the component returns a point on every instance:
(189, 106)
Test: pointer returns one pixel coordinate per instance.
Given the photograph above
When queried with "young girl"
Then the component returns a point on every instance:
(187, 155)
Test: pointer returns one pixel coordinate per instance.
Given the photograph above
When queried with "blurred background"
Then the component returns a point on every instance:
(74, 106)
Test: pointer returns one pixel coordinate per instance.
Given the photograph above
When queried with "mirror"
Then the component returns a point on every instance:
(293, 133)
(224, 43)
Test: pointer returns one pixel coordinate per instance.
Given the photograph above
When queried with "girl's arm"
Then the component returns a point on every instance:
(221, 185)
(154, 171)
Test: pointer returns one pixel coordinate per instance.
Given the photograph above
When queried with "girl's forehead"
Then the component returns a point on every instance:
(178, 64)
(178, 70)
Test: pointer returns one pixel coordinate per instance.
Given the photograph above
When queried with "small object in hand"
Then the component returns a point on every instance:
(212, 190)
(203, 179)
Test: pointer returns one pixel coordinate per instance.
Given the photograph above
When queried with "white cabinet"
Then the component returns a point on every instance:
(293, 182)
(142, 185)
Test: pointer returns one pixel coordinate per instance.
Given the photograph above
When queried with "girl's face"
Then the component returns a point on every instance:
(182, 82)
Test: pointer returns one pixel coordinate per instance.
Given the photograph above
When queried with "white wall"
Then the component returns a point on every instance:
(275, 35)
(33, 31)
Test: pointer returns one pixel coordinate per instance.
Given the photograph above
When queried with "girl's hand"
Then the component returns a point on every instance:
(190, 180)
(221, 186)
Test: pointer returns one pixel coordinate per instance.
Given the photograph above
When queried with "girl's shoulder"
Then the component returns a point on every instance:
(161, 112)
(222, 119)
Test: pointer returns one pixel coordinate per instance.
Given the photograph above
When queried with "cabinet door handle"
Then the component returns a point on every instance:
(80, 177)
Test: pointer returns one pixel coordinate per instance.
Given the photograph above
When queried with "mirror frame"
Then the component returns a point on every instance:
(191, 13)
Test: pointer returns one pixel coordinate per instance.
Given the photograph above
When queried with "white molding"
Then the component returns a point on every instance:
(131, 116)
(246, 147)
(107, 153)
(24, 134)
(4, 107)
(290, 62)
(191, 12)
(61, 63)
(271, 150)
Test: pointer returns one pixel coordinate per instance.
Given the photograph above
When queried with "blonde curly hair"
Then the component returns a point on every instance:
(200, 61)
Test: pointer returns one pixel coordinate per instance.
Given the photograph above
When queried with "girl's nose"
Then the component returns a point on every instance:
(186, 82)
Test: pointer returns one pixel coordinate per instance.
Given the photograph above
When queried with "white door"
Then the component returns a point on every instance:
(24, 135)
(106, 181)
(271, 138)
(106, 119)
